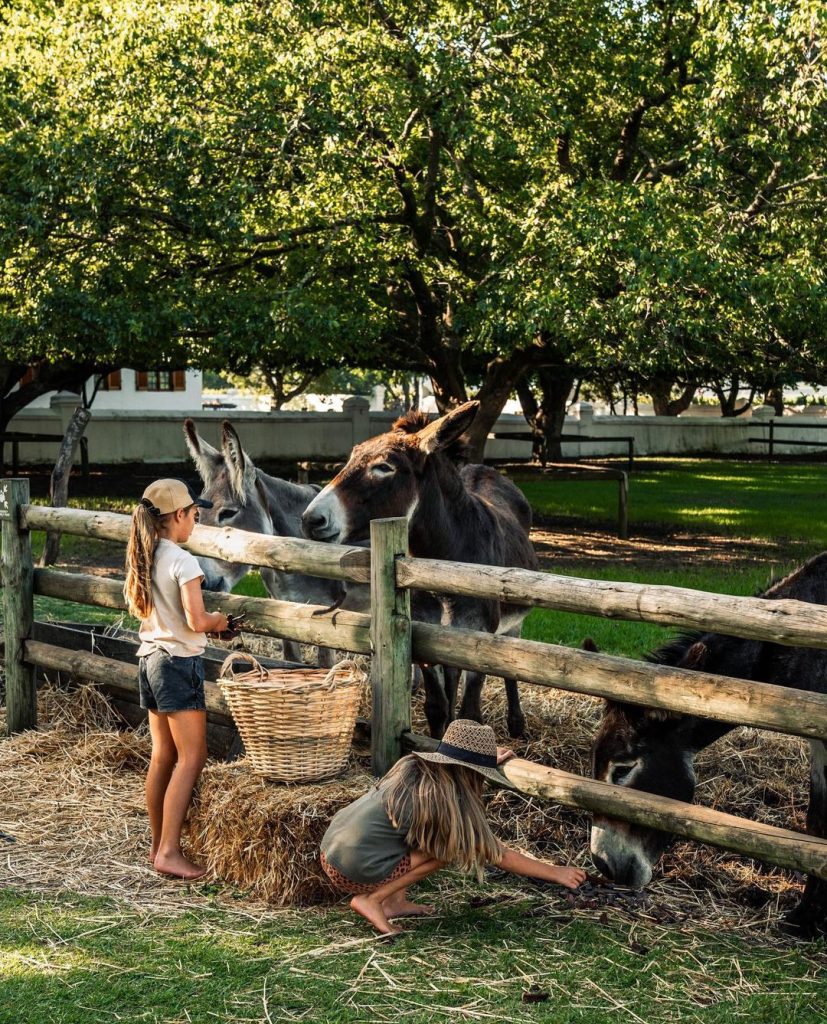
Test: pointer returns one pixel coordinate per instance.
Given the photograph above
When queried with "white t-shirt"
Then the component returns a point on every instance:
(167, 627)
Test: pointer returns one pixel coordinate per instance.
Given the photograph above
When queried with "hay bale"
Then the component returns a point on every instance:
(265, 836)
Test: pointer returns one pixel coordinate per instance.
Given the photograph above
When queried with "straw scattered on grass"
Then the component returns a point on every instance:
(73, 816)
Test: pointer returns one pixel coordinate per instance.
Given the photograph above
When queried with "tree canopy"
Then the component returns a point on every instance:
(474, 191)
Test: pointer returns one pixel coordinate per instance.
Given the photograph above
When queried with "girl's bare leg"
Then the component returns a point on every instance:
(188, 729)
(158, 775)
(399, 905)
(371, 905)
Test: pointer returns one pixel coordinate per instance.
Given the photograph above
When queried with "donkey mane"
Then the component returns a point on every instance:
(415, 419)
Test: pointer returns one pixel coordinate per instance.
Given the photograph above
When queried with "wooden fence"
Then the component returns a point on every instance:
(394, 641)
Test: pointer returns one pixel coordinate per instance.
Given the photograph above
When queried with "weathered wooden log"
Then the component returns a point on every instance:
(794, 623)
(18, 607)
(390, 673)
(765, 842)
(59, 484)
(121, 679)
(638, 682)
(289, 554)
(309, 624)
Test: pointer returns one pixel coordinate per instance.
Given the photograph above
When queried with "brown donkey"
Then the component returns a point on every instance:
(465, 513)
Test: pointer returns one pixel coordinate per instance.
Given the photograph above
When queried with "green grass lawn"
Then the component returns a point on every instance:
(72, 960)
(744, 499)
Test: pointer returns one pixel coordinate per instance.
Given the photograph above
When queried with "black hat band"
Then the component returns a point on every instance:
(467, 756)
(152, 509)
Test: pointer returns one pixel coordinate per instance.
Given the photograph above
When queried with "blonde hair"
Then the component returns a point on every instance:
(140, 552)
(444, 808)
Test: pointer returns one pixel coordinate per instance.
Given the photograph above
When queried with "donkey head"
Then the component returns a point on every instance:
(231, 483)
(383, 476)
(647, 749)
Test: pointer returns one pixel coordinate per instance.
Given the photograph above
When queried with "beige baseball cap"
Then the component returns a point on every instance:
(165, 496)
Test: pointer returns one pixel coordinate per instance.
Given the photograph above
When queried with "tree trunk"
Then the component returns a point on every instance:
(59, 486)
(728, 399)
(501, 378)
(660, 388)
(547, 417)
(775, 398)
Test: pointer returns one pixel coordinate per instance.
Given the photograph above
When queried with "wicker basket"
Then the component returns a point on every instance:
(296, 724)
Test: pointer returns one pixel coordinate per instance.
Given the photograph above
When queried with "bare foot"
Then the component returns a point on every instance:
(372, 911)
(153, 853)
(404, 908)
(177, 866)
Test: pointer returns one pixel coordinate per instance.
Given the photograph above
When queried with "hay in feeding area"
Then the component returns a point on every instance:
(72, 818)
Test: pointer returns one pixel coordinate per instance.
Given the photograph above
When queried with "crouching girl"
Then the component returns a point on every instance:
(426, 813)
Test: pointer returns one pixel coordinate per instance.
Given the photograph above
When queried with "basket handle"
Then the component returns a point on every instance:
(228, 670)
(330, 678)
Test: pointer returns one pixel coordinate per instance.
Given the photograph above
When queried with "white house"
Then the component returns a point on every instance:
(142, 391)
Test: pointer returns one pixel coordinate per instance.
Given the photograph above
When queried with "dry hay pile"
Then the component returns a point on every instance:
(71, 794)
(265, 836)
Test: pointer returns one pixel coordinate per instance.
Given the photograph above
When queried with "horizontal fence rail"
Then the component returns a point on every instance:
(788, 622)
(794, 623)
(761, 705)
(725, 699)
(266, 616)
(286, 554)
(766, 842)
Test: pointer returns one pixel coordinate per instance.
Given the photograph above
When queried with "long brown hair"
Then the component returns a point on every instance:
(140, 552)
(444, 808)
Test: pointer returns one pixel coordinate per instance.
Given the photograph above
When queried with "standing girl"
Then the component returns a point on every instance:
(425, 813)
(163, 590)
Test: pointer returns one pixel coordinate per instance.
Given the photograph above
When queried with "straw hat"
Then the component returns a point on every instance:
(469, 745)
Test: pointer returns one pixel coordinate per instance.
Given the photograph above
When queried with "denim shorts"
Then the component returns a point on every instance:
(167, 683)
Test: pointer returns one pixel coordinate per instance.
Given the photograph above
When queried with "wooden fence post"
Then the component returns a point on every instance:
(390, 630)
(18, 607)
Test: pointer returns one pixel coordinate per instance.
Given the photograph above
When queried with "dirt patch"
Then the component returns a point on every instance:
(568, 546)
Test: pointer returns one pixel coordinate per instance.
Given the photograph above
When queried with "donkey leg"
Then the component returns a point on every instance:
(809, 918)
(514, 714)
(437, 709)
(451, 677)
(471, 694)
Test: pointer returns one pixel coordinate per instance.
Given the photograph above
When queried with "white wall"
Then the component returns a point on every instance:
(127, 435)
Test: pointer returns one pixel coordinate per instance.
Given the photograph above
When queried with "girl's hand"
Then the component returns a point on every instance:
(571, 878)
(504, 754)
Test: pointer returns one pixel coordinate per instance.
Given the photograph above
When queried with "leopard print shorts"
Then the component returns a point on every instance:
(343, 883)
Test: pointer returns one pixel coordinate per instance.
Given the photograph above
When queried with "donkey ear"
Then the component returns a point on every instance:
(695, 657)
(205, 457)
(442, 432)
(242, 471)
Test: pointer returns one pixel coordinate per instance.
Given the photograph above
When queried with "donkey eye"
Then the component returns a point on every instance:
(620, 772)
(227, 513)
(383, 469)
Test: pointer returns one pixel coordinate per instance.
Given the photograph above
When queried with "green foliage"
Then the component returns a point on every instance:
(465, 190)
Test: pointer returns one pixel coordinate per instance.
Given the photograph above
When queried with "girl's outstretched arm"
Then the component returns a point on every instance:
(521, 864)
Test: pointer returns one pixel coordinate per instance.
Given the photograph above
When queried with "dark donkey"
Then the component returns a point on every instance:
(246, 498)
(653, 750)
(462, 513)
